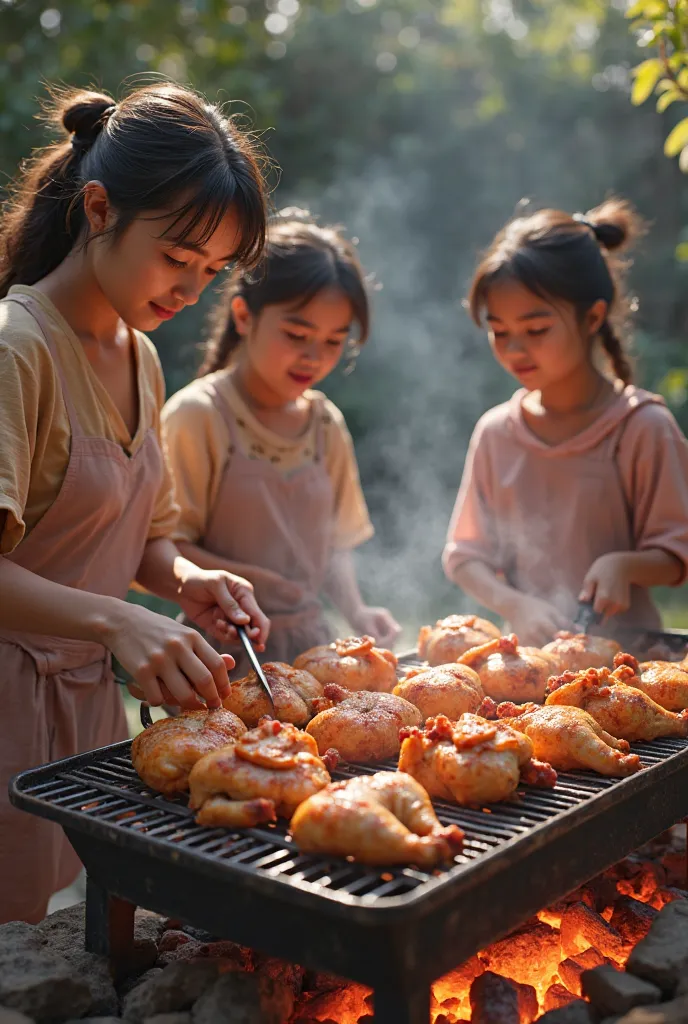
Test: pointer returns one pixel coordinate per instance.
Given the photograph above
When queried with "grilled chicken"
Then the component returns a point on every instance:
(616, 704)
(471, 761)
(293, 690)
(165, 753)
(383, 819)
(510, 672)
(449, 638)
(574, 652)
(664, 681)
(355, 663)
(447, 690)
(265, 774)
(363, 726)
(570, 738)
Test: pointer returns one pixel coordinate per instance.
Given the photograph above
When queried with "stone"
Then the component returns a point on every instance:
(63, 934)
(577, 1012)
(95, 1020)
(172, 939)
(148, 926)
(181, 1017)
(43, 986)
(662, 956)
(611, 991)
(237, 999)
(674, 1012)
(184, 951)
(16, 936)
(8, 1016)
(177, 987)
(130, 983)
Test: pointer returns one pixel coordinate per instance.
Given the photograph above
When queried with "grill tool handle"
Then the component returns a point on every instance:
(586, 616)
(144, 711)
(255, 664)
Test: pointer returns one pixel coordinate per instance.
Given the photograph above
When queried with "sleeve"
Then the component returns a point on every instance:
(352, 525)
(166, 510)
(653, 462)
(19, 428)
(196, 444)
(472, 533)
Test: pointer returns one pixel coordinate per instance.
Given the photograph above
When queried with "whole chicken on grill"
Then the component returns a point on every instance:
(569, 738)
(385, 819)
(471, 761)
(664, 681)
(616, 704)
(355, 663)
(267, 773)
(447, 690)
(510, 672)
(164, 754)
(293, 691)
(364, 727)
(574, 652)
(449, 638)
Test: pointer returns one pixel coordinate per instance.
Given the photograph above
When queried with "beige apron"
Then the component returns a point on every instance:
(58, 697)
(281, 523)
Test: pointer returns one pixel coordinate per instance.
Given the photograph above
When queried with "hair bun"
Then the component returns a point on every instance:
(86, 115)
(295, 214)
(615, 224)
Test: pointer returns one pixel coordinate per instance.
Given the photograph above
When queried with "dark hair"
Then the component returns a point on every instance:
(300, 259)
(162, 147)
(574, 258)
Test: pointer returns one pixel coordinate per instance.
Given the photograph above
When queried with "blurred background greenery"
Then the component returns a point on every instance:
(419, 124)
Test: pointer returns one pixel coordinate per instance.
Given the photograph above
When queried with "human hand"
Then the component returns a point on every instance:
(607, 585)
(535, 622)
(378, 623)
(217, 600)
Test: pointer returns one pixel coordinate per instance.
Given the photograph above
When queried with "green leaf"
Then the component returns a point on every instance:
(682, 252)
(667, 98)
(648, 9)
(677, 139)
(646, 76)
(674, 386)
(682, 79)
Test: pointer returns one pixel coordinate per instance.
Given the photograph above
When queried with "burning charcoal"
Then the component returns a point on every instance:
(611, 991)
(281, 982)
(577, 1012)
(570, 970)
(662, 956)
(674, 864)
(176, 988)
(643, 880)
(632, 919)
(322, 981)
(557, 996)
(241, 999)
(497, 1000)
(582, 927)
(451, 991)
(670, 894)
(42, 985)
(231, 951)
(525, 954)
(675, 1012)
(347, 1002)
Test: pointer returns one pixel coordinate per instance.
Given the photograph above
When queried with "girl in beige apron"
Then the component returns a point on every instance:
(264, 467)
(79, 522)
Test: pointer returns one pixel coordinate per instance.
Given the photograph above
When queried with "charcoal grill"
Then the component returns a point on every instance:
(395, 930)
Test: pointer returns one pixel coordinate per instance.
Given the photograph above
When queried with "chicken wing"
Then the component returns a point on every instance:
(384, 819)
(664, 681)
(165, 753)
(447, 690)
(364, 727)
(293, 690)
(574, 652)
(570, 738)
(355, 663)
(510, 672)
(471, 761)
(266, 773)
(449, 638)
(617, 705)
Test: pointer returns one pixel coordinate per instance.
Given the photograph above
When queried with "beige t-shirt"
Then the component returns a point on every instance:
(34, 426)
(197, 444)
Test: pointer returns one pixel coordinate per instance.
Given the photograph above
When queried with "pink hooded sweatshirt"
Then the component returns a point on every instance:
(541, 514)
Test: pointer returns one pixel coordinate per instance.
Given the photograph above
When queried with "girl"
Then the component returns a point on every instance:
(109, 232)
(263, 465)
(576, 488)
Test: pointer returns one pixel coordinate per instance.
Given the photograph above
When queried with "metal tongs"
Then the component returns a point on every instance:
(586, 617)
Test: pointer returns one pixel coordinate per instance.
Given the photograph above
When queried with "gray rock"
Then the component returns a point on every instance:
(16, 936)
(95, 1020)
(129, 984)
(662, 956)
(8, 1016)
(615, 992)
(578, 1012)
(148, 926)
(674, 1012)
(237, 999)
(42, 986)
(176, 988)
(169, 1018)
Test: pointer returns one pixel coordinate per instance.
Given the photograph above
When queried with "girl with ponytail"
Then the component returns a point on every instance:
(263, 463)
(107, 232)
(577, 488)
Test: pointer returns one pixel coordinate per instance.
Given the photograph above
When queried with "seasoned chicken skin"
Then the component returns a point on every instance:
(165, 753)
(449, 638)
(447, 690)
(471, 761)
(569, 738)
(664, 681)
(616, 704)
(510, 672)
(355, 663)
(574, 652)
(364, 727)
(266, 773)
(385, 819)
(293, 690)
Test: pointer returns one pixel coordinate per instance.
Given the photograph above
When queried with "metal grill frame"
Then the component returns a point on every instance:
(396, 944)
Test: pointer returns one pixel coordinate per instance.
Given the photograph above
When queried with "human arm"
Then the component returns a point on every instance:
(607, 585)
(341, 586)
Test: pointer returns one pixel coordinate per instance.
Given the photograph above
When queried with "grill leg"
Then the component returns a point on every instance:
(397, 1006)
(109, 926)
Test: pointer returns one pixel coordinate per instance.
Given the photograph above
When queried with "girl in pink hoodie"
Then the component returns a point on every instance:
(577, 487)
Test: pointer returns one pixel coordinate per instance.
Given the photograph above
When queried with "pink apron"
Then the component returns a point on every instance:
(59, 697)
(280, 523)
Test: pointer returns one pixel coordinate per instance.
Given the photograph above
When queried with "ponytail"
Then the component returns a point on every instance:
(224, 339)
(612, 345)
